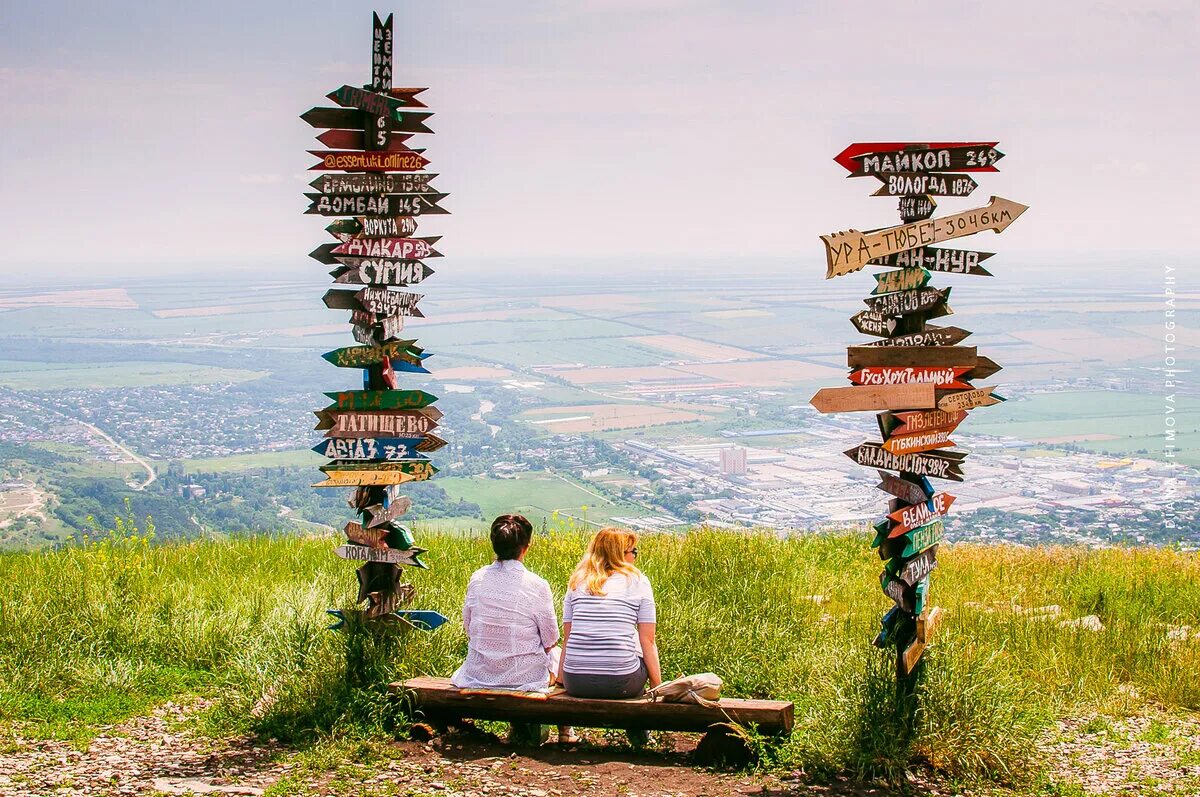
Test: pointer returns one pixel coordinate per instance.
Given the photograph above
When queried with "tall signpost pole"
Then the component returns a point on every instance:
(914, 373)
(377, 438)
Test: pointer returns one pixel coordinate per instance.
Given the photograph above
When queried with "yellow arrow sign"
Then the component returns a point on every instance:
(849, 251)
(357, 478)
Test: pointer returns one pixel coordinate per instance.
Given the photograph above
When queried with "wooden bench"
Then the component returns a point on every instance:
(443, 704)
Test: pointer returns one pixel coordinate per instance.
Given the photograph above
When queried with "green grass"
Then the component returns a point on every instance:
(537, 495)
(242, 619)
(21, 375)
(301, 457)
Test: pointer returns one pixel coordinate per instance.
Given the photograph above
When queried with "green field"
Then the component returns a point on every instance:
(301, 457)
(538, 496)
(21, 375)
(1136, 421)
(593, 351)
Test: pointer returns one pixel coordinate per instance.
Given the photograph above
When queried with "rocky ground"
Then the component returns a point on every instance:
(158, 755)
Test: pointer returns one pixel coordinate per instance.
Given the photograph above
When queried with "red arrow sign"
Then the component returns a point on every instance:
(845, 158)
(356, 139)
(398, 248)
(368, 161)
(943, 378)
(910, 517)
(921, 421)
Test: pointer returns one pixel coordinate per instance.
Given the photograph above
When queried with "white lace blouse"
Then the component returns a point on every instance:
(509, 619)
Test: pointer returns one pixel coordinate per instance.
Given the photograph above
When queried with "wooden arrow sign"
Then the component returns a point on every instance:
(909, 517)
(871, 323)
(930, 336)
(370, 448)
(430, 442)
(969, 399)
(849, 251)
(372, 538)
(409, 467)
(906, 302)
(939, 465)
(364, 227)
(423, 619)
(926, 624)
(376, 104)
(915, 208)
(867, 356)
(368, 161)
(375, 204)
(912, 489)
(929, 183)
(366, 479)
(889, 397)
(362, 356)
(950, 261)
(381, 53)
(357, 139)
(378, 514)
(382, 301)
(363, 553)
(377, 423)
(898, 591)
(411, 183)
(395, 248)
(911, 571)
(917, 442)
(905, 279)
(920, 539)
(971, 158)
(901, 423)
(380, 271)
(380, 400)
(984, 367)
(351, 119)
(944, 378)
(846, 158)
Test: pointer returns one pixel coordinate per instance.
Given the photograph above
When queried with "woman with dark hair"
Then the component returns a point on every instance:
(509, 618)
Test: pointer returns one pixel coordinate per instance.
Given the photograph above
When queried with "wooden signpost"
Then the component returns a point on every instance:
(912, 358)
(379, 437)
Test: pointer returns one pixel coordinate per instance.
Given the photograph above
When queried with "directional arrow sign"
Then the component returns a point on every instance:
(969, 399)
(375, 204)
(849, 251)
(397, 248)
(939, 465)
(864, 356)
(950, 261)
(856, 399)
(416, 183)
(380, 400)
(914, 489)
(930, 183)
(363, 227)
(377, 423)
(913, 208)
(350, 119)
(380, 271)
(911, 571)
(370, 448)
(374, 538)
(382, 301)
(365, 479)
(930, 336)
(970, 158)
(905, 302)
(870, 323)
(846, 157)
(409, 467)
(917, 442)
(905, 279)
(984, 367)
(378, 514)
(381, 53)
(431, 442)
(897, 590)
(363, 356)
(909, 517)
(368, 161)
(363, 553)
(920, 539)
(920, 421)
(944, 378)
(372, 103)
(425, 620)
(356, 139)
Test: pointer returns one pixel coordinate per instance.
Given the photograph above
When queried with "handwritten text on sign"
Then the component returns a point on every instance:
(849, 251)
(910, 517)
(369, 161)
(945, 378)
(399, 248)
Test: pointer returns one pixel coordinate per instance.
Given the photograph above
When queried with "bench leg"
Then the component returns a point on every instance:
(724, 745)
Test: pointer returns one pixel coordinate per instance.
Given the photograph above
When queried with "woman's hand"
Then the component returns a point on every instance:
(650, 653)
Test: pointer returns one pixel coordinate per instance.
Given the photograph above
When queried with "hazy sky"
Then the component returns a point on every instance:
(138, 136)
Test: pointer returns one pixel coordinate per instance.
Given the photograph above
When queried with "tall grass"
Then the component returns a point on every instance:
(93, 634)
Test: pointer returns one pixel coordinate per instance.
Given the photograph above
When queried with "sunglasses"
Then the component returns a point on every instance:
(632, 551)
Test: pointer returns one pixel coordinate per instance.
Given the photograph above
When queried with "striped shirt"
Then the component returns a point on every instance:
(604, 628)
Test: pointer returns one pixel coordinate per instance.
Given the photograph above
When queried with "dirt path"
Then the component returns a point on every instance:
(151, 476)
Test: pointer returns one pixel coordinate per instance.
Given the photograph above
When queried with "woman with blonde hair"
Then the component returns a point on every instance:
(608, 622)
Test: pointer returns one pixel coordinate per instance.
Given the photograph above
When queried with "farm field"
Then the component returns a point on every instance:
(609, 417)
(57, 376)
(267, 459)
(538, 495)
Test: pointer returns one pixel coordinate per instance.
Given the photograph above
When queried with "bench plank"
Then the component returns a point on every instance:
(439, 699)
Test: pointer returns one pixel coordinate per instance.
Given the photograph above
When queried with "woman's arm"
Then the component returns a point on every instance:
(558, 676)
(650, 653)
